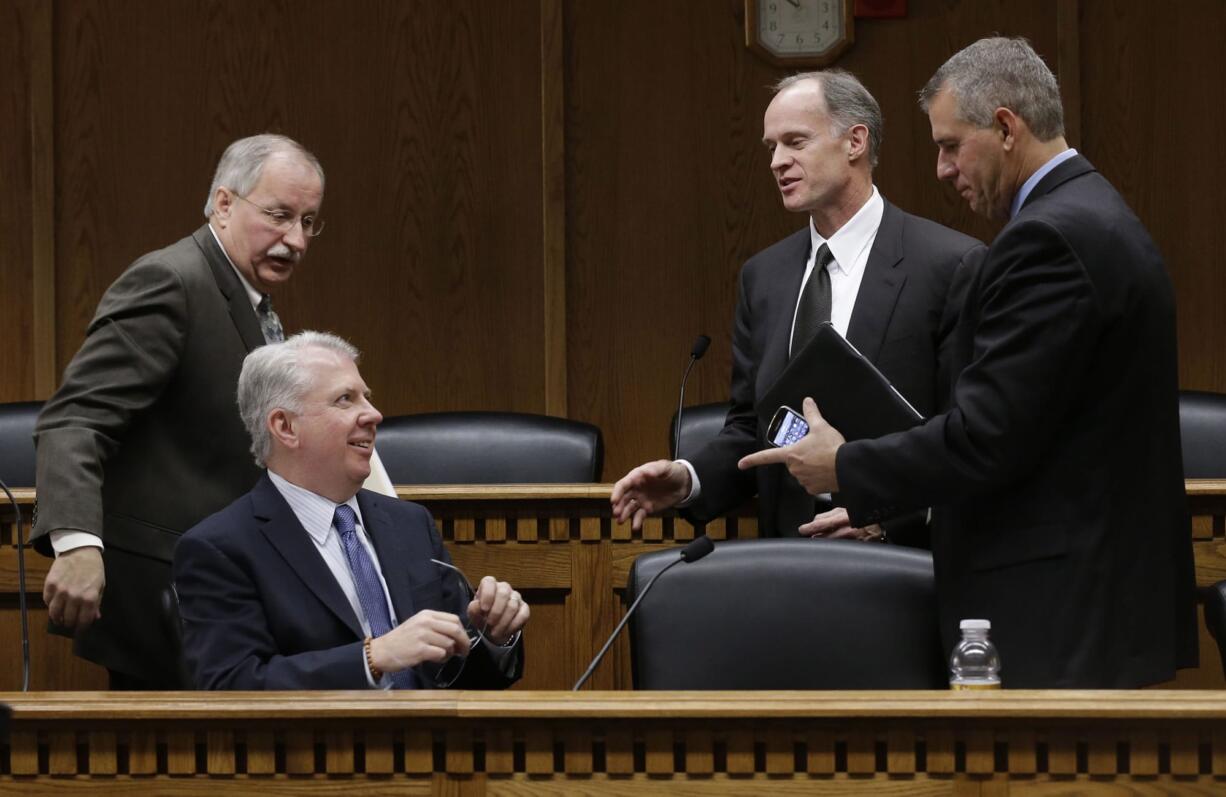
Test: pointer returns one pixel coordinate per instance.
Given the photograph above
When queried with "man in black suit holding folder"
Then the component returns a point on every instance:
(1056, 474)
(883, 277)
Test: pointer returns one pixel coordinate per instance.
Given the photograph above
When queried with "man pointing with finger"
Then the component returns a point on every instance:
(1056, 475)
(885, 279)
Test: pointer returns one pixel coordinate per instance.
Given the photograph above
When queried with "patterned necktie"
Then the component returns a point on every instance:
(366, 582)
(814, 308)
(270, 325)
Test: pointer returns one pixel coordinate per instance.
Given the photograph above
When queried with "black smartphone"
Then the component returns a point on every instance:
(787, 427)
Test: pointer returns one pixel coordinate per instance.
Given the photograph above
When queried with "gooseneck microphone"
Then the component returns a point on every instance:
(21, 590)
(696, 351)
(690, 553)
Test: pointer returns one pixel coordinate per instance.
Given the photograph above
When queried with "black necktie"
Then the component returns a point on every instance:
(814, 307)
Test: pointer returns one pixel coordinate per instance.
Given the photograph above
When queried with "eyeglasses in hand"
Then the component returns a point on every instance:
(445, 673)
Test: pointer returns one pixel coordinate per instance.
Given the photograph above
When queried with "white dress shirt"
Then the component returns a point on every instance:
(316, 514)
(850, 245)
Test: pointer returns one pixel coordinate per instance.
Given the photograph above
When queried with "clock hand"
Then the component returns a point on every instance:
(794, 3)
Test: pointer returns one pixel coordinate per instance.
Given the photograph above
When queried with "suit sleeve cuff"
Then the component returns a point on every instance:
(695, 484)
(67, 540)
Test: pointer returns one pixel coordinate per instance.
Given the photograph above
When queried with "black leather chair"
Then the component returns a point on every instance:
(489, 448)
(17, 442)
(1215, 616)
(699, 424)
(173, 623)
(1202, 427)
(788, 614)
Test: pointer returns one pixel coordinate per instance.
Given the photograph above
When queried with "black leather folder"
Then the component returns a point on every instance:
(852, 395)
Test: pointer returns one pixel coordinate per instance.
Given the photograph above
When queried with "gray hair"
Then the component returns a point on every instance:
(241, 164)
(1000, 73)
(848, 103)
(273, 378)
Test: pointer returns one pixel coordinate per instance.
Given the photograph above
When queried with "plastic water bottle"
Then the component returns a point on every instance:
(975, 664)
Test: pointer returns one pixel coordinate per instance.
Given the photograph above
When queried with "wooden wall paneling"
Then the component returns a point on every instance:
(1068, 66)
(553, 204)
(669, 188)
(42, 184)
(19, 41)
(668, 191)
(440, 206)
(1152, 87)
(427, 118)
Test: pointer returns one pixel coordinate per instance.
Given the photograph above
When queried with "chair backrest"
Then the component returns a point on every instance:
(1202, 427)
(17, 442)
(173, 623)
(699, 424)
(1215, 615)
(489, 448)
(788, 614)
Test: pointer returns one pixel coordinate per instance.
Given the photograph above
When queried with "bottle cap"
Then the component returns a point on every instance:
(975, 625)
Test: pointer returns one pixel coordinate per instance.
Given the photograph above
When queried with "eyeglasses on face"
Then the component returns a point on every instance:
(283, 221)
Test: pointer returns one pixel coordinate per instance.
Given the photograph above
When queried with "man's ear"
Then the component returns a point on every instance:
(281, 426)
(223, 204)
(857, 142)
(1008, 126)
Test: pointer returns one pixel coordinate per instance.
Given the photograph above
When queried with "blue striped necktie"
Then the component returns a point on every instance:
(369, 589)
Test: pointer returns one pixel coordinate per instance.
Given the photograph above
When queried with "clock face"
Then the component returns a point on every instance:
(798, 32)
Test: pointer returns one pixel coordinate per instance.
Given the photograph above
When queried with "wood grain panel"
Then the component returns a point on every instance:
(16, 205)
(669, 187)
(668, 192)
(1150, 78)
(427, 118)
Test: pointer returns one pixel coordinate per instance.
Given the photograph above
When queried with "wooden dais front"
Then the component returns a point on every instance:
(609, 742)
(559, 545)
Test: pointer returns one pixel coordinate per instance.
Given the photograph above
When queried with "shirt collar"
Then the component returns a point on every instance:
(252, 294)
(1019, 198)
(849, 241)
(313, 511)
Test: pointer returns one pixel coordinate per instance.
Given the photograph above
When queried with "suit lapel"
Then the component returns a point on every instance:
(395, 557)
(879, 288)
(278, 523)
(231, 287)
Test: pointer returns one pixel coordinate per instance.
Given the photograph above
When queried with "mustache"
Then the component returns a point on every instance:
(283, 252)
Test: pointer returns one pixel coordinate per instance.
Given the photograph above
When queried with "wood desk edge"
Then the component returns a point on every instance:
(564, 492)
(1013, 704)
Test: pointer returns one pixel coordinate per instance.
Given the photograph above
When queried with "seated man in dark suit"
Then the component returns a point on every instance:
(309, 582)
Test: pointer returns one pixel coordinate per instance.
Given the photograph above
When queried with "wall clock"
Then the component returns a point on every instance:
(799, 33)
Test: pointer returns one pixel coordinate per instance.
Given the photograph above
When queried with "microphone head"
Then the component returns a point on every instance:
(697, 549)
(700, 347)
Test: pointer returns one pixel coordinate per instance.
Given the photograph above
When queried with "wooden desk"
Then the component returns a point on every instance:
(559, 545)
(543, 743)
